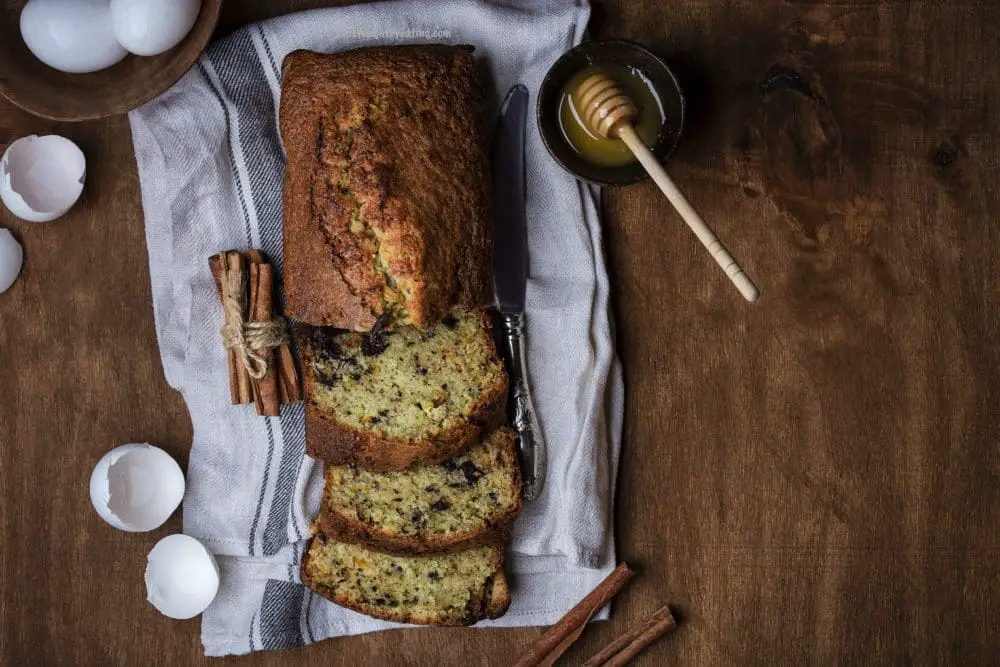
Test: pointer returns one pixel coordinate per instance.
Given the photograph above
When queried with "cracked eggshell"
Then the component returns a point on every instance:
(136, 487)
(11, 258)
(182, 577)
(41, 177)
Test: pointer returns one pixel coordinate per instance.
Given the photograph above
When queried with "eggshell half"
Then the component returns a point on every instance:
(11, 258)
(182, 577)
(41, 177)
(136, 487)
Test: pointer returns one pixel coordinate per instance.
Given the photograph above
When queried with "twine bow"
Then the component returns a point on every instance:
(248, 338)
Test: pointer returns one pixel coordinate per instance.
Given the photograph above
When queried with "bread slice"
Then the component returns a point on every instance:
(386, 197)
(468, 500)
(457, 588)
(391, 399)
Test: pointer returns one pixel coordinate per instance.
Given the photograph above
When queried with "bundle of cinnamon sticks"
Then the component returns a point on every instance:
(545, 650)
(261, 367)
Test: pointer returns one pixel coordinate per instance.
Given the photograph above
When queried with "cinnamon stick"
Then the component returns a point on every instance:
(235, 262)
(266, 395)
(280, 383)
(628, 645)
(288, 376)
(253, 287)
(219, 267)
(553, 643)
(285, 371)
(215, 264)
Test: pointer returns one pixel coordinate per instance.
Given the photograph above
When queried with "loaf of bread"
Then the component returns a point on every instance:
(386, 185)
(468, 500)
(391, 399)
(449, 589)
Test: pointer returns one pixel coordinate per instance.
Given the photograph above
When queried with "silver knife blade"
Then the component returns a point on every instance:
(510, 231)
(510, 277)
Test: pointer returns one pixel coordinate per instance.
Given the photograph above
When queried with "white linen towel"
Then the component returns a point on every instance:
(210, 167)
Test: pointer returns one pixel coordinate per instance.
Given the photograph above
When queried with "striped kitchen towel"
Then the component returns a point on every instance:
(210, 166)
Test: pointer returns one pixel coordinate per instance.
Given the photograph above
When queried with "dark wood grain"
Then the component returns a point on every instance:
(809, 479)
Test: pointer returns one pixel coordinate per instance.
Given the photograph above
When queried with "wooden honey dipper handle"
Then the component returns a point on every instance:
(691, 217)
(607, 111)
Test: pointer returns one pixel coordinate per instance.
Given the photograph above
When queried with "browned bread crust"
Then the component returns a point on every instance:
(339, 527)
(338, 443)
(498, 599)
(386, 185)
(492, 602)
(337, 522)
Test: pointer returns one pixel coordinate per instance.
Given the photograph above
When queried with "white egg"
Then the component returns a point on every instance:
(71, 35)
(182, 577)
(11, 257)
(41, 177)
(136, 487)
(148, 27)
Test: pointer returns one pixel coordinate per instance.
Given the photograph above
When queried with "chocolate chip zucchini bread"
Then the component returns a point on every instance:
(468, 500)
(386, 185)
(391, 399)
(449, 589)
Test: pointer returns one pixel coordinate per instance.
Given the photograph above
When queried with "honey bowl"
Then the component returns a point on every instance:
(644, 76)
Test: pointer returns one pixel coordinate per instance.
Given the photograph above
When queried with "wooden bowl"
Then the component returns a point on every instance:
(49, 93)
(617, 52)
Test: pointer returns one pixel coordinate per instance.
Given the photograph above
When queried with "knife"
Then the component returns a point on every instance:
(510, 277)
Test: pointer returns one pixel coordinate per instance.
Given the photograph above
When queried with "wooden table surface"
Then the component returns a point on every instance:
(810, 479)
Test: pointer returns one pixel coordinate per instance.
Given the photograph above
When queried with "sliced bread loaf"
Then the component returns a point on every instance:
(457, 588)
(468, 500)
(389, 399)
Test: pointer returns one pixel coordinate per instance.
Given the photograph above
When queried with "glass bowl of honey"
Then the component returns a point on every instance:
(643, 76)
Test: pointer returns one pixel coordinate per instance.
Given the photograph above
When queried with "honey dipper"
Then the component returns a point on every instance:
(607, 111)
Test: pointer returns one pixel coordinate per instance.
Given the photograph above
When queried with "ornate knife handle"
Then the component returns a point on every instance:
(530, 443)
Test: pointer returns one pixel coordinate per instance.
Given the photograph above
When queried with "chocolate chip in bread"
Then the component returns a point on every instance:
(409, 396)
(468, 500)
(457, 588)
